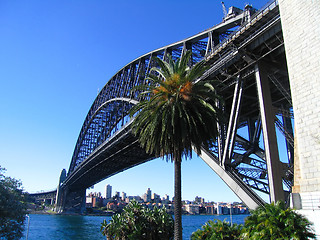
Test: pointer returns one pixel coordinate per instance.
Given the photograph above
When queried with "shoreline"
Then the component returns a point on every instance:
(50, 212)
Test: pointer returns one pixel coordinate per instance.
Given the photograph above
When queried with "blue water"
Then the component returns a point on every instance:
(57, 227)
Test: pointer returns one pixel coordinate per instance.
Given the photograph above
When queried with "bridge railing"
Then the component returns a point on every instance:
(235, 34)
(43, 191)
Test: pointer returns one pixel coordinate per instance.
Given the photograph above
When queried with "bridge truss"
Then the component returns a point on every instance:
(246, 55)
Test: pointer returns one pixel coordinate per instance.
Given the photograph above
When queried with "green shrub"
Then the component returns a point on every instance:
(272, 221)
(12, 207)
(137, 222)
(217, 230)
(275, 221)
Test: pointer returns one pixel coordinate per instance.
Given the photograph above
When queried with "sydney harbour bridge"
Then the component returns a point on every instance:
(245, 53)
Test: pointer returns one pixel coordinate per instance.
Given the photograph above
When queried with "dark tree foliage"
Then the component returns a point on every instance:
(138, 222)
(12, 207)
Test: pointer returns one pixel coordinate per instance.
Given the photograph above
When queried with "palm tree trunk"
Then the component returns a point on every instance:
(177, 200)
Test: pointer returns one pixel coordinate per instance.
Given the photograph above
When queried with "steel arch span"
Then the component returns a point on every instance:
(245, 53)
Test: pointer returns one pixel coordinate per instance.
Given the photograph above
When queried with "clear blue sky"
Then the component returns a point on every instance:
(56, 55)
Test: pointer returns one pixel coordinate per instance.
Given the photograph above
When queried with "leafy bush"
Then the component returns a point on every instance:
(275, 221)
(137, 222)
(217, 230)
(272, 221)
(12, 208)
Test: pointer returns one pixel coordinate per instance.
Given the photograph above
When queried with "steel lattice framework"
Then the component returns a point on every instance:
(237, 50)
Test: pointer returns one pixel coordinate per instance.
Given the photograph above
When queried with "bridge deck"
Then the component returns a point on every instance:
(119, 153)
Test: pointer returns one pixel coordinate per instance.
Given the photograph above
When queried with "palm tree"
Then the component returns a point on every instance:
(179, 113)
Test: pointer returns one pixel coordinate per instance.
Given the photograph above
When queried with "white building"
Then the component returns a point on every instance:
(123, 196)
(192, 209)
(147, 196)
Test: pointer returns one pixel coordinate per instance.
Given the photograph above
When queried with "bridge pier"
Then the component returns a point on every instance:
(302, 44)
(71, 201)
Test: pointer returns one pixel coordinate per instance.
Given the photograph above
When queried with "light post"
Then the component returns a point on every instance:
(231, 214)
(28, 226)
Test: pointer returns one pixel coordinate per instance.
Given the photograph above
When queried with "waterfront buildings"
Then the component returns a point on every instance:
(193, 209)
(151, 200)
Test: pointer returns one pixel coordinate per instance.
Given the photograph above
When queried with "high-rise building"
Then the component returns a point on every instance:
(123, 196)
(144, 197)
(108, 191)
(148, 192)
(165, 199)
(156, 198)
(199, 199)
(117, 195)
(219, 209)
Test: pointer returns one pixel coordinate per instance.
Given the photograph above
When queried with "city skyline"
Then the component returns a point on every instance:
(116, 203)
(56, 56)
(121, 194)
(95, 202)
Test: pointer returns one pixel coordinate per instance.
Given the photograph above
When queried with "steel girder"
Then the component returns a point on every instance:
(232, 49)
(43, 195)
(251, 66)
(103, 120)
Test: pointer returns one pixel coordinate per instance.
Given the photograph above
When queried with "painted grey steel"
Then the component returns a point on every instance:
(43, 196)
(233, 120)
(231, 49)
(269, 134)
(250, 198)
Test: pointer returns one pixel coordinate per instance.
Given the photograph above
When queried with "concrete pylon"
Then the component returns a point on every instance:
(72, 201)
(300, 22)
(63, 176)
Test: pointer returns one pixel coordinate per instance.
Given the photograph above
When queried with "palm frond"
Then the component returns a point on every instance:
(178, 112)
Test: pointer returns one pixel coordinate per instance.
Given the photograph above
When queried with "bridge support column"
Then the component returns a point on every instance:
(69, 201)
(274, 166)
(63, 176)
(302, 44)
(72, 201)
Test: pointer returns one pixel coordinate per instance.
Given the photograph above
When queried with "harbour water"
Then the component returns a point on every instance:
(58, 227)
